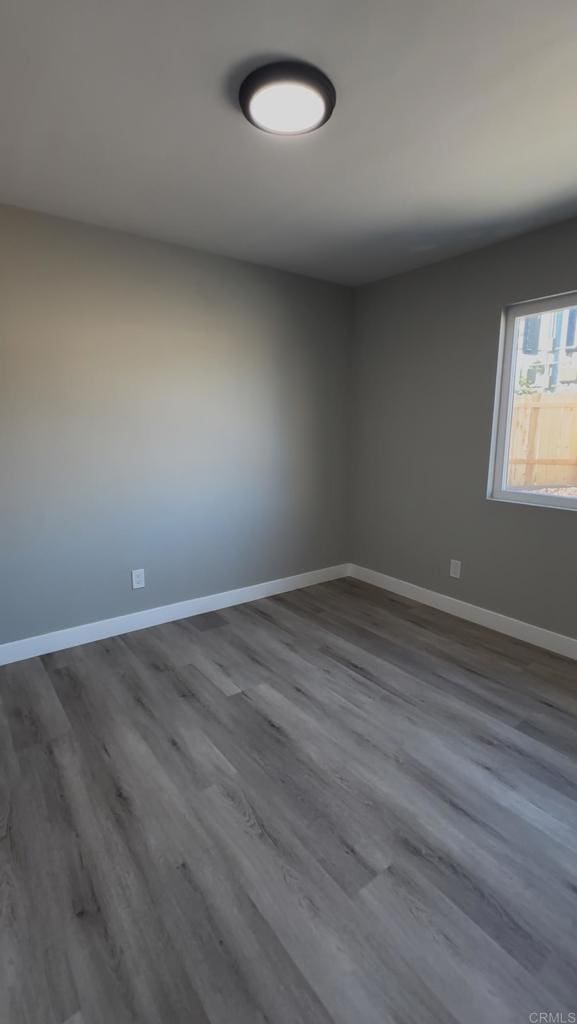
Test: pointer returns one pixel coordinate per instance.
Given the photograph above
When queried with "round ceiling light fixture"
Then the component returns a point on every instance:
(287, 98)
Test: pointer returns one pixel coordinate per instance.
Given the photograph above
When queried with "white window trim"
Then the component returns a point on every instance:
(497, 491)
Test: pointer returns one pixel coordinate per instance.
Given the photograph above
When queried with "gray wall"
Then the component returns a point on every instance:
(425, 360)
(193, 415)
(160, 409)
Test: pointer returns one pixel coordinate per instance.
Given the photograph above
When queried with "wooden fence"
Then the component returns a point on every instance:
(543, 445)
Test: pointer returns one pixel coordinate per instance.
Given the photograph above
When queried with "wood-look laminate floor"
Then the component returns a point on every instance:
(330, 806)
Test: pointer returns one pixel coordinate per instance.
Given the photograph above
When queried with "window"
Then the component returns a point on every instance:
(534, 447)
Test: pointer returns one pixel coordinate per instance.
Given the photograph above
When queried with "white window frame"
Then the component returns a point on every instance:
(502, 414)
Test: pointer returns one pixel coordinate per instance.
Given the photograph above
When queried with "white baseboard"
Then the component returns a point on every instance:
(31, 647)
(47, 643)
(557, 642)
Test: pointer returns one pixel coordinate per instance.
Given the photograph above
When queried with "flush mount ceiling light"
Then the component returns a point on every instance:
(287, 98)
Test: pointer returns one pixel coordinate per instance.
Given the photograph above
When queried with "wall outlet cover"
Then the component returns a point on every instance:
(138, 579)
(455, 569)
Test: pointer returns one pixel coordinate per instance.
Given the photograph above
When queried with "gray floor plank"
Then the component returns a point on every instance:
(328, 807)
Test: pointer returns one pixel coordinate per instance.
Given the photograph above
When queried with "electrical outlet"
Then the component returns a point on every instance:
(455, 569)
(138, 579)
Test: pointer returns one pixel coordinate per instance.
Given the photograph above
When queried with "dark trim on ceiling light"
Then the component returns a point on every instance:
(288, 71)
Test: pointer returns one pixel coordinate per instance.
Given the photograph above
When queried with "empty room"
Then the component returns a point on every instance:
(288, 510)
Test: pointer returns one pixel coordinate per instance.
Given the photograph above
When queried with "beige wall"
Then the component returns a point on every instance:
(159, 409)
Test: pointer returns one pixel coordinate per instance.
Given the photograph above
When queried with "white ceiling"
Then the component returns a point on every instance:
(455, 124)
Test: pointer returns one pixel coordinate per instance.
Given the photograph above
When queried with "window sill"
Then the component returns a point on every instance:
(536, 501)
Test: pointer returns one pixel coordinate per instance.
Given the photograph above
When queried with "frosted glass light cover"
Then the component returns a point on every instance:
(287, 108)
